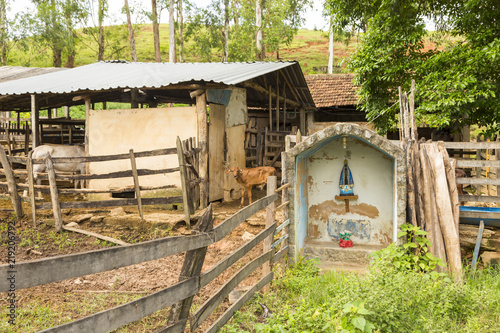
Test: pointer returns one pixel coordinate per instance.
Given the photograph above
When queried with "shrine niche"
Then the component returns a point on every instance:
(348, 186)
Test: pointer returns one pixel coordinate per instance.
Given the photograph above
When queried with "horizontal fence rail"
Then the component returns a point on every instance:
(48, 270)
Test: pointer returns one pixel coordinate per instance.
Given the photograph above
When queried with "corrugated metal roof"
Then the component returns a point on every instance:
(115, 75)
(8, 73)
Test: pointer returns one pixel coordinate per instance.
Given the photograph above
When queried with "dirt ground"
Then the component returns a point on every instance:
(132, 281)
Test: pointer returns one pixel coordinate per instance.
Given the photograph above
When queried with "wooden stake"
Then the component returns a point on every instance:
(452, 185)
(31, 185)
(11, 180)
(201, 109)
(270, 220)
(54, 195)
(136, 183)
(410, 188)
(450, 234)
(193, 263)
(411, 104)
(35, 117)
(184, 183)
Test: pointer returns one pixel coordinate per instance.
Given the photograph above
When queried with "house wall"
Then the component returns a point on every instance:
(370, 216)
(118, 131)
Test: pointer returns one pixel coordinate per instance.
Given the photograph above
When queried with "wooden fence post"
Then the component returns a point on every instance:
(193, 263)
(270, 219)
(54, 196)
(136, 183)
(14, 195)
(31, 185)
(201, 109)
(184, 182)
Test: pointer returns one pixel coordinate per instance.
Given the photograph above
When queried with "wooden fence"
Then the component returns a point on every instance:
(481, 161)
(188, 172)
(191, 280)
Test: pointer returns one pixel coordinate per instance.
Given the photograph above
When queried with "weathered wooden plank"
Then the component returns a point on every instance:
(209, 306)
(135, 176)
(477, 181)
(472, 145)
(193, 262)
(112, 203)
(103, 158)
(478, 245)
(111, 175)
(462, 163)
(281, 226)
(54, 195)
(14, 196)
(480, 215)
(94, 234)
(278, 242)
(46, 189)
(270, 220)
(478, 198)
(37, 272)
(184, 183)
(236, 255)
(119, 316)
(222, 320)
(235, 220)
(31, 188)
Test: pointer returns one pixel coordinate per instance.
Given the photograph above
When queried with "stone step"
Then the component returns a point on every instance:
(327, 266)
(333, 253)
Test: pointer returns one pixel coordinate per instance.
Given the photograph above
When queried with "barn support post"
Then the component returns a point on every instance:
(136, 183)
(193, 263)
(54, 195)
(87, 113)
(302, 126)
(201, 110)
(310, 122)
(270, 220)
(11, 181)
(184, 182)
(26, 138)
(31, 185)
(35, 122)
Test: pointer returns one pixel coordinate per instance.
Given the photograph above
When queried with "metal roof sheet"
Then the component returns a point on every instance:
(8, 73)
(120, 74)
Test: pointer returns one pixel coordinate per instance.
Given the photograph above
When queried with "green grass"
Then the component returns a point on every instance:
(303, 301)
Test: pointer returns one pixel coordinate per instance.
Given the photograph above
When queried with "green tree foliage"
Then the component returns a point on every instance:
(457, 82)
(281, 20)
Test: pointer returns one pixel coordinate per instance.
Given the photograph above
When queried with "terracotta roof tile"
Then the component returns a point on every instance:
(332, 89)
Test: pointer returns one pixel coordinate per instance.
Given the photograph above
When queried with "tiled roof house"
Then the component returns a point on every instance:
(330, 90)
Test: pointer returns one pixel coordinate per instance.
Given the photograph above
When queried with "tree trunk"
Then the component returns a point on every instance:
(181, 31)
(226, 31)
(56, 50)
(72, 39)
(3, 33)
(156, 31)
(258, 37)
(100, 41)
(131, 38)
(171, 32)
(330, 50)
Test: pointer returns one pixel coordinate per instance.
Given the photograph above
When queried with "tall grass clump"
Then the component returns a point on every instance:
(393, 296)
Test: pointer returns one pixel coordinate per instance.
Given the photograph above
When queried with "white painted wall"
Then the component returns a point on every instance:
(373, 176)
(117, 131)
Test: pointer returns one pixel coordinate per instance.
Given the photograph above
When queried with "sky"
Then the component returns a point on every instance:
(314, 19)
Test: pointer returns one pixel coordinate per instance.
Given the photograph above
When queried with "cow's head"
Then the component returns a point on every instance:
(234, 170)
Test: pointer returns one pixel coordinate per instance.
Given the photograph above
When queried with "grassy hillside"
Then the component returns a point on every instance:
(309, 48)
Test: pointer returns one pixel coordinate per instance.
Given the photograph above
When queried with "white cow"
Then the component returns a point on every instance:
(53, 150)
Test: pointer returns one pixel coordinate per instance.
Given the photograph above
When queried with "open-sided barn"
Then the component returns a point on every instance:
(217, 97)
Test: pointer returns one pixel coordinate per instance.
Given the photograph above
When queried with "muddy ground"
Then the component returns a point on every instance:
(75, 298)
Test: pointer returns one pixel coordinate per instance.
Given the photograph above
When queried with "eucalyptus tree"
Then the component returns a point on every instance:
(3, 32)
(457, 68)
(133, 50)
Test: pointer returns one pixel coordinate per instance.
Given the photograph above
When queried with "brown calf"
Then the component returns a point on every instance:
(247, 178)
